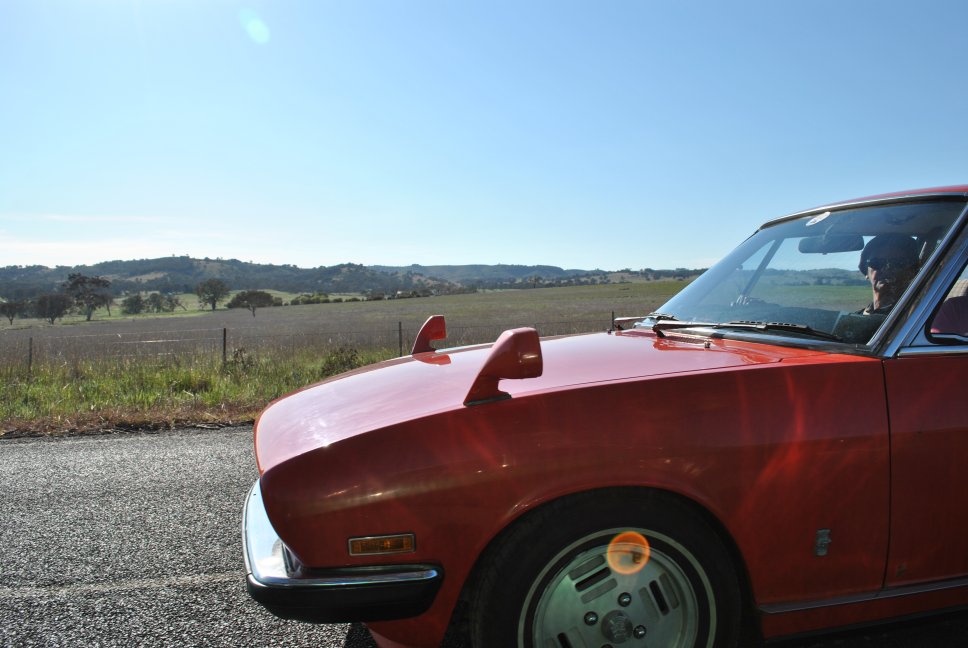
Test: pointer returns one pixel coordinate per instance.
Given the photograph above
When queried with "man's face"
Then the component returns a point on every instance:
(890, 271)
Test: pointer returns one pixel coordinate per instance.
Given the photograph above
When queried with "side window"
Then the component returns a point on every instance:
(951, 318)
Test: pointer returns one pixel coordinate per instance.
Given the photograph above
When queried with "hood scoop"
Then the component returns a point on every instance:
(516, 354)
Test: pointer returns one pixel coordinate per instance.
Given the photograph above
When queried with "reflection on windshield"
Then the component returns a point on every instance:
(834, 275)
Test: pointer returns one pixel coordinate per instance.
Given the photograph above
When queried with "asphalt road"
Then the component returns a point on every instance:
(135, 540)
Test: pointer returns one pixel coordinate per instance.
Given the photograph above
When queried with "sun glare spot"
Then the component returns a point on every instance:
(628, 552)
(253, 25)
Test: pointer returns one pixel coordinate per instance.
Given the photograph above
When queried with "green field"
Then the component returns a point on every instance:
(500, 309)
(156, 371)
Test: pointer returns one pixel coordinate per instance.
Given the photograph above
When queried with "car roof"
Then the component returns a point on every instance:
(952, 190)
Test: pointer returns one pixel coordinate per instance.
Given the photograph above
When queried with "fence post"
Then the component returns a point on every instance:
(225, 337)
(400, 336)
(612, 325)
(30, 355)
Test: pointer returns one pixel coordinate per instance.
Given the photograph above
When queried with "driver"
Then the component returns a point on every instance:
(889, 261)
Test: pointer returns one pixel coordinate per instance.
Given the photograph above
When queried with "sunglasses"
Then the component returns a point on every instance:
(877, 263)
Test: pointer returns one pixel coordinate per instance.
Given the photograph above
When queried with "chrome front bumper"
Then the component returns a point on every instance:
(373, 593)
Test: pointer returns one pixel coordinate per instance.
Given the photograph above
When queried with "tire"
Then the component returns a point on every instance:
(553, 582)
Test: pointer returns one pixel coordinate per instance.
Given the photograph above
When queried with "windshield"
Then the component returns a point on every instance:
(834, 275)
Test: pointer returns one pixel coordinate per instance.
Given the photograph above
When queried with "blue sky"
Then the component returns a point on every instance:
(604, 134)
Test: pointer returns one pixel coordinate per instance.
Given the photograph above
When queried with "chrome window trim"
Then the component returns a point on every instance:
(936, 350)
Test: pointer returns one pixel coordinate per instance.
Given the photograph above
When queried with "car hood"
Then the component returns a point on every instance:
(418, 386)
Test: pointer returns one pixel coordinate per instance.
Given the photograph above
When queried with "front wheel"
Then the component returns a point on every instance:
(610, 568)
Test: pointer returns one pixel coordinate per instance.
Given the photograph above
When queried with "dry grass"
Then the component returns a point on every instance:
(157, 373)
(99, 395)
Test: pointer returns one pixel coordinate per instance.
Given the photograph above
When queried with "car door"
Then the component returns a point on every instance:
(928, 410)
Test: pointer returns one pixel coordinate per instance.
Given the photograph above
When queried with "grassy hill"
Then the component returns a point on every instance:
(485, 274)
(181, 274)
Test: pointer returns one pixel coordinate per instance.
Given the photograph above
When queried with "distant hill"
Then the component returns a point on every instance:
(182, 274)
(478, 274)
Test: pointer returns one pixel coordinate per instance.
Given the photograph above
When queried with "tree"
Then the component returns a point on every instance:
(251, 299)
(89, 293)
(315, 298)
(133, 304)
(12, 309)
(155, 303)
(53, 306)
(171, 302)
(212, 291)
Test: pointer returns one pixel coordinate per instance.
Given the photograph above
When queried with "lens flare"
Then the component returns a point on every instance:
(254, 26)
(628, 552)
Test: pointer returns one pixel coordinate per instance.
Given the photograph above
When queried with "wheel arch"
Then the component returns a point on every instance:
(750, 623)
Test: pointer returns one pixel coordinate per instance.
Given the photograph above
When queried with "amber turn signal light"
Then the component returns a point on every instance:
(388, 544)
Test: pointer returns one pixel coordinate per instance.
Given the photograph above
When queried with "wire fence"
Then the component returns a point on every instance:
(219, 344)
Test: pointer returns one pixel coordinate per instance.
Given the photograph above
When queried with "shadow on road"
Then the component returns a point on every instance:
(940, 631)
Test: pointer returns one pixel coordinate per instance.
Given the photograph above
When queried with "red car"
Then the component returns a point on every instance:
(778, 449)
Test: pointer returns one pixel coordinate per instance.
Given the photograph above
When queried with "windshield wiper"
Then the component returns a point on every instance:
(669, 323)
(803, 329)
(646, 321)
